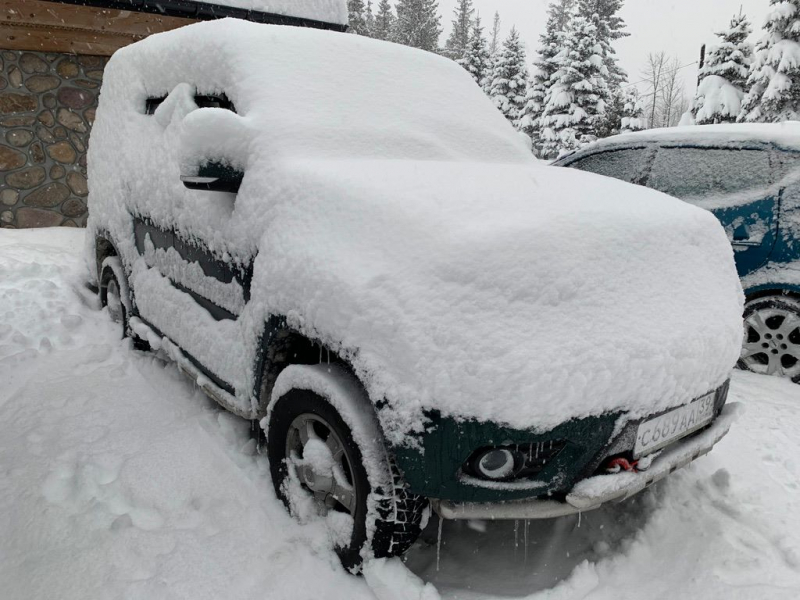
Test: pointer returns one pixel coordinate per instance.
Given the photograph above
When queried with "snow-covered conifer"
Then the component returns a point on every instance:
(384, 21)
(456, 45)
(610, 26)
(357, 17)
(494, 38)
(509, 78)
(633, 118)
(559, 15)
(369, 19)
(774, 81)
(723, 77)
(476, 58)
(575, 103)
(418, 24)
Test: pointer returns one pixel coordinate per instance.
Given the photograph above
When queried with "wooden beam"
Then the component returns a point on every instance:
(53, 27)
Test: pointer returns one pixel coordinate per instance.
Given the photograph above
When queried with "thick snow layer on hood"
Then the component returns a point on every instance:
(401, 220)
(329, 11)
(522, 295)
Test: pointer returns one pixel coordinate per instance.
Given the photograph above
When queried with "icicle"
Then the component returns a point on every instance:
(526, 540)
(320, 354)
(516, 536)
(579, 519)
(439, 544)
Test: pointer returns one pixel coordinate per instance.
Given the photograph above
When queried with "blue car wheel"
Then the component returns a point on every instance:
(772, 337)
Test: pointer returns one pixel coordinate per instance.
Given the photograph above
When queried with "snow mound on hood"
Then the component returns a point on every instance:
(521, 295)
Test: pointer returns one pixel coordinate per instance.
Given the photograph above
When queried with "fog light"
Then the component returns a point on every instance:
(496, 464)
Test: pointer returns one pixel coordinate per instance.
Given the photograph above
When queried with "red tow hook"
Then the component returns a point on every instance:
(616, 465)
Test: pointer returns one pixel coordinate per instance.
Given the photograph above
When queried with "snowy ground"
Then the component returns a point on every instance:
(119, 480)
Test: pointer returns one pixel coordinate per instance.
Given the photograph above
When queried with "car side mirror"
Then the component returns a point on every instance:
(214, 177)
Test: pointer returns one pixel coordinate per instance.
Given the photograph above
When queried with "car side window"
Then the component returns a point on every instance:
(626, 165)
(709, 175)
(787, 163)
(202, 101)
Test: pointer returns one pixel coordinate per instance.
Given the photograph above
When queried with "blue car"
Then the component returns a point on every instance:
(749, 177)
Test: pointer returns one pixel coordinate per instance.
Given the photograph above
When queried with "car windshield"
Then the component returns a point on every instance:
(625, 165)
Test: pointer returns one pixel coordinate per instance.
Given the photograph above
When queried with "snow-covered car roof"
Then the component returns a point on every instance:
(785, 135)
(399, 219)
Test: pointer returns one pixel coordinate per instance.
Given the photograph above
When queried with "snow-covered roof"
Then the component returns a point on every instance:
(329, 11)
(786, 134)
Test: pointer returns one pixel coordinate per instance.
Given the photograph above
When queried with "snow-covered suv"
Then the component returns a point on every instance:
(343, 239)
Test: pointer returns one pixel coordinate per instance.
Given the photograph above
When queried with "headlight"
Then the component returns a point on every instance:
(496, 464)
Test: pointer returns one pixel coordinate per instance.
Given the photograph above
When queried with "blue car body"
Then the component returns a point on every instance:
(748, 176)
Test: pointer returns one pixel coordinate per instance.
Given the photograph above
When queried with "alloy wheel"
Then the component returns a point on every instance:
(772, 342)
(321, 462)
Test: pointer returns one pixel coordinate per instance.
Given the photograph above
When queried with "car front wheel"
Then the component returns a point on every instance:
(772, 337)
(316, 465)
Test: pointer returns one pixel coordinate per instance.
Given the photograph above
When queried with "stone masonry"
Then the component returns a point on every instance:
(47, 107)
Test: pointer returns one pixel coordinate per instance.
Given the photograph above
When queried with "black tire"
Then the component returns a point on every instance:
(109, 278)
(767, 322)
(399, 514)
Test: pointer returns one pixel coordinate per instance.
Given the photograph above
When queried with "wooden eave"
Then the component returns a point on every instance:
(102, 26)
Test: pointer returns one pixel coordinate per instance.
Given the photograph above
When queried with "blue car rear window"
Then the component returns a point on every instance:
(698, 174)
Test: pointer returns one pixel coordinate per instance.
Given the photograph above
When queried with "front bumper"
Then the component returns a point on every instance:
(595, 491)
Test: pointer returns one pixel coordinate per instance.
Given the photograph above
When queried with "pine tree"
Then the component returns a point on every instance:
(509, 79)
(356, 17)
(610, 26)
(369, 19)
(456, 44)
(723, 77)
(774, 81)
(384, 21)
(418, 24)
(575, 102)
(633, 118)
(476, 58)
(494, 38)
(559, 15)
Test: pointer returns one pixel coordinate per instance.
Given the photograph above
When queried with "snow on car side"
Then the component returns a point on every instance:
(509, 326)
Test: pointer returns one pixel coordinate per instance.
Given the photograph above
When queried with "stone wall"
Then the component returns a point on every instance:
(47, 107)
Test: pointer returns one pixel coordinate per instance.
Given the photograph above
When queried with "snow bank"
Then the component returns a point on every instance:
(423, 243)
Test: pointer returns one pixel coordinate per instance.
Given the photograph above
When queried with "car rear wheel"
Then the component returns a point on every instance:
(114, 296)
(111, 298)
(315, 461)
(772, 337)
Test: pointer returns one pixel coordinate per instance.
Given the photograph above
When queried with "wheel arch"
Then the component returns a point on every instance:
(762, 291)
(280, 347)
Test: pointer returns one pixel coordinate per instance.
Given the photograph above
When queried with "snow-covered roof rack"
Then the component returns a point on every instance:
(276, 12)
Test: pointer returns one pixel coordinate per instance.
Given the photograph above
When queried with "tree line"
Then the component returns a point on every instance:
(575, 91)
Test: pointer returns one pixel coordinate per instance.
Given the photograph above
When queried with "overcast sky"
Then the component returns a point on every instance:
(679, 27)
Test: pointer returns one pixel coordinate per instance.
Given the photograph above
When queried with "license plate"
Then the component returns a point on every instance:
(661, 431)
